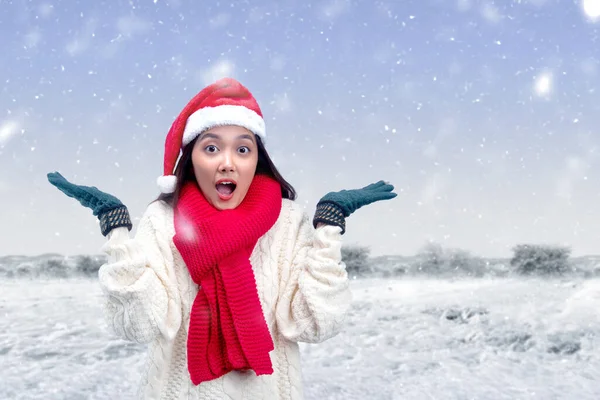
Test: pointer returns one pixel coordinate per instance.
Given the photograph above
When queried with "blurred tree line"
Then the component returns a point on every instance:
(435, 260)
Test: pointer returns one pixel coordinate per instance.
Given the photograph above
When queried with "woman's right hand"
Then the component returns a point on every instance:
(111, 212)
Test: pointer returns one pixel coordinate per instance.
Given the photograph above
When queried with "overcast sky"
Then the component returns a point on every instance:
(484, 115)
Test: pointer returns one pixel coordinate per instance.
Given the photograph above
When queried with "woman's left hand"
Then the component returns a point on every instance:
(351, 200)
(334, 207)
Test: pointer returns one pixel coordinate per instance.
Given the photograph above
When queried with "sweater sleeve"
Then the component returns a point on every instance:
(141, 297)
(314, 288)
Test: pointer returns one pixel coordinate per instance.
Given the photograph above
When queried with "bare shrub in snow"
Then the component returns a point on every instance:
(356, 258)
(433, 259)
(88, 266)
(535, 259)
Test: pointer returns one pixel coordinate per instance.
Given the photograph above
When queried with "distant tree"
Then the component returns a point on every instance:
(356, 258)
(88, 266)
(25, 269)
(535, 259)
(430, 259)
(433, 259)
(462, 262)
(55, 268)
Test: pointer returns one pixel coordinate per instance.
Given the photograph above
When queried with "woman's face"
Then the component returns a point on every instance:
(224, 160)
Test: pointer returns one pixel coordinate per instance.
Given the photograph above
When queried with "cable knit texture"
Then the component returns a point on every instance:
(227, 329)
(302, 286)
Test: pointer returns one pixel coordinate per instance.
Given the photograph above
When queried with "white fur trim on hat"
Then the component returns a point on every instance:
(167, 184)
(208, 117)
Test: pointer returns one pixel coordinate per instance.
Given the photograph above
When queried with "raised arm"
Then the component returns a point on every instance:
(315, 294)
(315, 291)
(141, 297)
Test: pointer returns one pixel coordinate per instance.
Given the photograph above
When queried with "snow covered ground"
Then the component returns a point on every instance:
(405, 339)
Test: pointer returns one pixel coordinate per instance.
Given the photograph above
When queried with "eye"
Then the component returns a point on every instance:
(211, 148)
(244, 150)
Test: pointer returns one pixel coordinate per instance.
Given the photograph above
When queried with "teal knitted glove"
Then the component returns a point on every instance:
(110, 211)
(335, 207)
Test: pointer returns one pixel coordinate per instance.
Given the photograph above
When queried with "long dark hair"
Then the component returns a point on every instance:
(184, 172)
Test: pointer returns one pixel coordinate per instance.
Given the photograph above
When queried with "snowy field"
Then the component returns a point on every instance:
(405, 339)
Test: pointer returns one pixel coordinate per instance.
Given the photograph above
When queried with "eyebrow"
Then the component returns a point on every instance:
(210, 135)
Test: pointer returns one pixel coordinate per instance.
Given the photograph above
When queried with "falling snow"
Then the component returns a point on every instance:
(543, 84)
(483, 114)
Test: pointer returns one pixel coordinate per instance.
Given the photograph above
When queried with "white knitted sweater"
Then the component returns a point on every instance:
(302, 284)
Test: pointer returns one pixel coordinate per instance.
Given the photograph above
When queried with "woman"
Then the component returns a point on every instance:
(226, 273)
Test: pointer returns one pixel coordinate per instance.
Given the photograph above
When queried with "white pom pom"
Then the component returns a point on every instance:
(167, 183)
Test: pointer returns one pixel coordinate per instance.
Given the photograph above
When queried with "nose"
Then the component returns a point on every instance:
(227, 164)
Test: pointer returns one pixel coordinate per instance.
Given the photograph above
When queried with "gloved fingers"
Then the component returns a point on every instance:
(373, 186)
(374, 197)
(378, 187)
(62, 184)
(385, 196)
(386, 187)
(75, 191)
(57, 180)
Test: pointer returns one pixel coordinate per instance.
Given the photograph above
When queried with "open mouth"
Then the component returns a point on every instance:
(225, 188)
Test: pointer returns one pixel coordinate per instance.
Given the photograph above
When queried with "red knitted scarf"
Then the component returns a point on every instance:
(227, 328)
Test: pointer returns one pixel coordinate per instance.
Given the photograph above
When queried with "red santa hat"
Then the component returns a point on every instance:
(225, 102)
